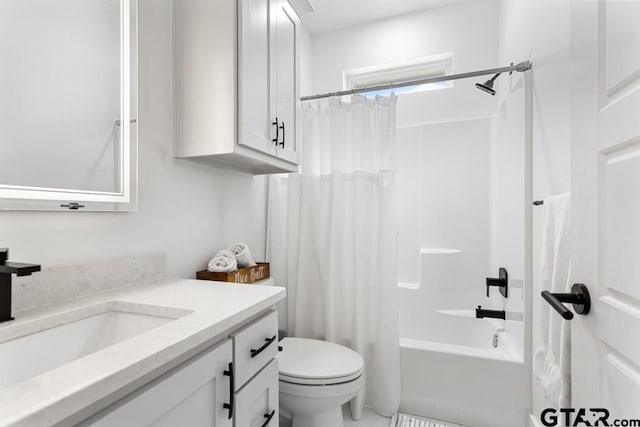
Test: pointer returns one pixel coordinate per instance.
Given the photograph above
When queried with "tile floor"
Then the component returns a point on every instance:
(369, 419)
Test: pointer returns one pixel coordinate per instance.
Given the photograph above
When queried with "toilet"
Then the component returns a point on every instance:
(316, 379)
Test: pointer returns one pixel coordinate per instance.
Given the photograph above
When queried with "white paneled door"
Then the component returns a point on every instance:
(605, 175)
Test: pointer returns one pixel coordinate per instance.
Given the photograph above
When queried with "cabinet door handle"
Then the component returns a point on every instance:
(579, 297)
(268, 342)
(232, 387)
(277, 138)
(282, 127)
(268, 417)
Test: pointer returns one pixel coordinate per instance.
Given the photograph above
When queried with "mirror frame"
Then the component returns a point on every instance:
(14, 197)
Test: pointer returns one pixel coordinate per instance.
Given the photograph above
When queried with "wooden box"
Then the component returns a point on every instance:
(246, 275)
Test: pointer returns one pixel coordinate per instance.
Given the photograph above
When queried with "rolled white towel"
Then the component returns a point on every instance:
(224, 261)
(243, 256)
(226, 252)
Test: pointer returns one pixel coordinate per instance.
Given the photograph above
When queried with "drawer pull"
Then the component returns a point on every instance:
(268, 417)
(230, 405)
(268, 342)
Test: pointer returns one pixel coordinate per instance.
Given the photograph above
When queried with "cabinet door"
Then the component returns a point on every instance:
(191, 395)
(256, 108)
(286, 60)
(257, 402)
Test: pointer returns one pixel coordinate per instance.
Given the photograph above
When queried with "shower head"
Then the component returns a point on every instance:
(488, 85)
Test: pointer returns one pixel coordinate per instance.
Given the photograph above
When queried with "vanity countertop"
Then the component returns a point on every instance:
(203, 311)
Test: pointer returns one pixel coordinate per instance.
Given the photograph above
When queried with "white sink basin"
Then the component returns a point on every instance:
(58, 340)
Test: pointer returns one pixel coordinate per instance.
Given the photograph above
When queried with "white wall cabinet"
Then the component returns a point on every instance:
(236, 84)
(233, 383)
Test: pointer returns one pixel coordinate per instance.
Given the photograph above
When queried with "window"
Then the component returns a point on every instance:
(415, 69)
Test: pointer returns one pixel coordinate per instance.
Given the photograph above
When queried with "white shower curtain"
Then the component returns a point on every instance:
(332, 238)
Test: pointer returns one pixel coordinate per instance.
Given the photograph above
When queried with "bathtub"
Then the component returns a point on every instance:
(461, 369)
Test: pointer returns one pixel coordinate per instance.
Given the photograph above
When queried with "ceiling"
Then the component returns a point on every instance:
(332, 15)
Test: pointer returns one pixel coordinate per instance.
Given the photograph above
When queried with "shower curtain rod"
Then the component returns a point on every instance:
(521, 67)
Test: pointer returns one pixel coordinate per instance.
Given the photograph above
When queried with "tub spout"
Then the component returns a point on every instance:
(481, 313)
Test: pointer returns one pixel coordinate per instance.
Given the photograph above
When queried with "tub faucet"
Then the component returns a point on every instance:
(481, 313)
(6, 270)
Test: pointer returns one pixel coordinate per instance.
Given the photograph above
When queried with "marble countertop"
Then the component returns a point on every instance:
(204, 310)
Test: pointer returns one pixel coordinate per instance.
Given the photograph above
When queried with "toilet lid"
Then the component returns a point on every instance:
(306, 361)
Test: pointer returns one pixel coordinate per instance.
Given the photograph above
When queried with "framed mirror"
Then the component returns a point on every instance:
(68, 105)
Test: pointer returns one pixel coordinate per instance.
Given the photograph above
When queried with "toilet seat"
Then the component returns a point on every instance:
(320, 381)
(314, 362)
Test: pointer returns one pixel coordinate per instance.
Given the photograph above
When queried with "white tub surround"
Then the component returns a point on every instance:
(192, 316)
(456, 367)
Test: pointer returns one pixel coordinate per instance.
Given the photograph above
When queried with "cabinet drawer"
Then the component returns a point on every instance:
(254, 346)
(257, 402)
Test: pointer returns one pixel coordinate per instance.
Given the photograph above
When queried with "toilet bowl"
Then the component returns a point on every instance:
(316, 379)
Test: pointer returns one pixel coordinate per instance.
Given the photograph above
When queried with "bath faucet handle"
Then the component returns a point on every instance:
(501, 282)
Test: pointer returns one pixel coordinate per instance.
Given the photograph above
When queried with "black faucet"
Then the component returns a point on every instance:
(481, 313)
(6, 270)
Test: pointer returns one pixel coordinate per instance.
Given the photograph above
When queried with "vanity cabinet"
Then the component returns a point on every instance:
(233, 383)
(194, 394)
(236, 84)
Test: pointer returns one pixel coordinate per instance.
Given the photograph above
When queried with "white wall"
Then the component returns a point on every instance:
(306, 62)
(539, 30)
(187, 210)
(468, 29)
